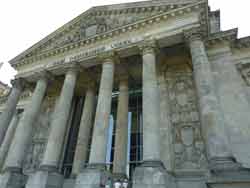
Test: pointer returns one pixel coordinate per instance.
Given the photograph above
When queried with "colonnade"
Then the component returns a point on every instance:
(213, 128)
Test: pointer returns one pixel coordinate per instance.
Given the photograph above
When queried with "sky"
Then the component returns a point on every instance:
(23, 23)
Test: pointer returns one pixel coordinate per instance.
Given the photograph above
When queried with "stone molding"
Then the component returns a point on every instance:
(110, 34)
(193, 34)
(229, 36)
(110, 56)
(242, 43)
(149, 47)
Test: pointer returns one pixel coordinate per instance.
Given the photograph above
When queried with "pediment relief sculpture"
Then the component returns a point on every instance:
(101, 19)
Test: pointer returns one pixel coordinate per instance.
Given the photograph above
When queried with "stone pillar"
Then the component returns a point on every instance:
(8, 139)
(167, 150)
(59, 121)
(121, 137)
(18, 148)
(10, 107)
(48, 174)
(95, 175)
(211, 117)
(81, 152)
(99, 140)
(152, 172)
(151, 104)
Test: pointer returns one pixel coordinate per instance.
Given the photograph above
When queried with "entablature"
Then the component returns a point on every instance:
(137, 28)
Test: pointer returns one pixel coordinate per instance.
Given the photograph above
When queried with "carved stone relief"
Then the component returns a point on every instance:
(245, 73)
(90, 25)
(188, 144)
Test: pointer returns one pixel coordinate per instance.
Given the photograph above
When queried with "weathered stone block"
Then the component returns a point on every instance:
(12, 180)
(43, 179)
(93, 178)
(152, 177)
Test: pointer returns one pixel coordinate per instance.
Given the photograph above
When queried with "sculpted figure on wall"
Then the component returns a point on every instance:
(188, 144)
(189, 148)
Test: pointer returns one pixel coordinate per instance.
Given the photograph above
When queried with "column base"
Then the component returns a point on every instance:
(119, 177)
(12, 180)
(45, 179)
(192, 178)
(94, 176)
(152, 174)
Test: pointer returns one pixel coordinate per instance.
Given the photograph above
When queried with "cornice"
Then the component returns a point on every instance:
(222, 36)
(242, 43)
(118, 9)
(20, 60)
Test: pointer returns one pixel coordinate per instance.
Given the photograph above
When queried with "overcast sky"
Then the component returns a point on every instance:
(23, 23)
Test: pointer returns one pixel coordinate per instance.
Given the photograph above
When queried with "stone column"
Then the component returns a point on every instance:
(121, 137)
(95, 175)
(81, 152)
(18, 148)
(151, 104)
(99, 140)
(8, 139)
(10, 107)
(48, 175)
(211, 117)
(58, 124)
(152, 172)
(25, 127)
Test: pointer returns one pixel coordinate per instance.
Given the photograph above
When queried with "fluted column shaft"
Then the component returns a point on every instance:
(151, 117)
(8, 139)
(101, 124)
(211, 117)
(24, 129)
(81, 151)
(121, 137)
(10, 108)
(59, 123)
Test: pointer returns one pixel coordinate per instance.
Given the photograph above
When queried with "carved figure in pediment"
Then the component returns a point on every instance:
(92, 25)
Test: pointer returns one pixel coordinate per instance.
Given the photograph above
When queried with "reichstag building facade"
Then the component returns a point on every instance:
(148, 94)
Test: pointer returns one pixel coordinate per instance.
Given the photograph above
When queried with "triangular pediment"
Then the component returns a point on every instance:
(101, 19)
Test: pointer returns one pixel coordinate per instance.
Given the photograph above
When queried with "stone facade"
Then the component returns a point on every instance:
(146, 94)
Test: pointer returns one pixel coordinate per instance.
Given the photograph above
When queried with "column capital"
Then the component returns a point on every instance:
(38, 75)
(18, 83)
(193, 34)
(148, 46)
(72, 67)
(110, 56)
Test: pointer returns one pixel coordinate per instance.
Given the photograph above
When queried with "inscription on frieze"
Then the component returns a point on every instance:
(94, 51)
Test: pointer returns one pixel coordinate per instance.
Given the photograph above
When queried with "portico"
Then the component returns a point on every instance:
(97, 133)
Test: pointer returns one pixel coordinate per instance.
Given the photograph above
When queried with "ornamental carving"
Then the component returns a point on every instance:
(245, 73)
(90, 25)
(189, 147)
